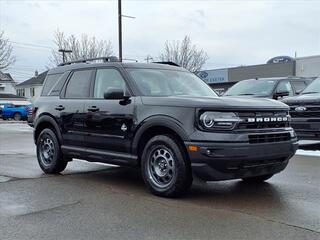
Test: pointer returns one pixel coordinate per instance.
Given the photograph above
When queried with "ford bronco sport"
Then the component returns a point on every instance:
(160, 118)
(305, 112)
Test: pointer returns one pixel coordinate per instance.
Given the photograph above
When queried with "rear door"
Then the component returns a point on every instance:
(108, 123)
(71, 106)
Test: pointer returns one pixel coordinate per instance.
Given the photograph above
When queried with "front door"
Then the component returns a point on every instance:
(108, 123)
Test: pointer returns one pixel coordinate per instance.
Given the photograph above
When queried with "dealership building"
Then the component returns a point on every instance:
(283, 66)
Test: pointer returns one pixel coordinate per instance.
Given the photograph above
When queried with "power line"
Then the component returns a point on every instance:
(31, 45)
(32, 48)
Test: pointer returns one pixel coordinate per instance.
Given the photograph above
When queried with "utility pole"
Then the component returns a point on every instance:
(64, 51)
(120, 30)
(148, 58)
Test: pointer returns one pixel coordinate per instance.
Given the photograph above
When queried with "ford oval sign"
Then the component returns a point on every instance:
(203, 74)
(300, 109)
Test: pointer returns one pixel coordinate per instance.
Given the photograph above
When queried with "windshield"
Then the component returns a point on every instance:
(251, 87)
(314, 87)
(160, 82)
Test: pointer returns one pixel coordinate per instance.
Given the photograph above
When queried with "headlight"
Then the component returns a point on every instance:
(218, 120)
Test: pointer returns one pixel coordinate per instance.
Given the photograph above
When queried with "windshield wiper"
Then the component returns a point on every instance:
(308, 93)
(246, 94)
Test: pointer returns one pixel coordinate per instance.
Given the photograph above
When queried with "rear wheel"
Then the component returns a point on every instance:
(17, 116)
(49, 153)
(165, 167)
(258, 179)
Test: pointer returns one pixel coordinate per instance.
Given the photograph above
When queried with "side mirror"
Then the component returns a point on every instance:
(114, 93)
(281, 94)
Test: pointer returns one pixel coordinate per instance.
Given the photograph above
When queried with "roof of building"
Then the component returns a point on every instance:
(36, 80)
(5, 77)
(9, 96)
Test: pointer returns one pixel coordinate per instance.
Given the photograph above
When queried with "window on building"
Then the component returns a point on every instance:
(79, 84)
(21, 92)
(32, 92)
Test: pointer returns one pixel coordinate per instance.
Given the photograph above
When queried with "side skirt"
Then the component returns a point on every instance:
(99, 155)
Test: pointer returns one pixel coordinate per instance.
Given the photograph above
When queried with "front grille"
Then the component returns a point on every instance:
(311, 111)
(264, 124)
(268, 138)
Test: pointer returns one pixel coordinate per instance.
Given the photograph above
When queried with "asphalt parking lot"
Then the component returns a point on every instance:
(96, 201)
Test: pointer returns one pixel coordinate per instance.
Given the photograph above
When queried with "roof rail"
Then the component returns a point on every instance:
(104, 59)
(168, 63)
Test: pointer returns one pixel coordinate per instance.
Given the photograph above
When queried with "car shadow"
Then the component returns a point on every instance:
(233, 194)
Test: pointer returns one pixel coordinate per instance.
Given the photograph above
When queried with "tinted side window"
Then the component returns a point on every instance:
(107, 78)
(50, 81)
(79, 84)
(285, 86)
(55, 91)
(299, 86)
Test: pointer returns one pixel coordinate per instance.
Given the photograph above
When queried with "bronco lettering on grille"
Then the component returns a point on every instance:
(268, 119)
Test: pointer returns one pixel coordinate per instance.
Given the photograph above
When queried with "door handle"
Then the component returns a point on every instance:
(59, 108)
(93, 109)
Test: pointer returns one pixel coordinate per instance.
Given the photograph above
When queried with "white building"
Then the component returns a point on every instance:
(308, 66)
(31, 88)
(7, 84)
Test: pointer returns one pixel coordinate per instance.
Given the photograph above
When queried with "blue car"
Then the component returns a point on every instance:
(16, 112)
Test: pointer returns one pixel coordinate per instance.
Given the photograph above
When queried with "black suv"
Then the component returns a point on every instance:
(161, 118)
(305, 112)
(275, 88)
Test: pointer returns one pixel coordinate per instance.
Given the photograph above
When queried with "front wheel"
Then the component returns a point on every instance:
(258, 179)
(165, 167)
(49, 153)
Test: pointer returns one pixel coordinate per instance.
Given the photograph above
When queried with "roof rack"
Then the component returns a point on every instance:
(168, 63)
(104, 59)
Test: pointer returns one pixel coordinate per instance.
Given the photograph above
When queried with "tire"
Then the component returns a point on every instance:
(49, 153)
(17, 116)
(258, 179)
(165, 168)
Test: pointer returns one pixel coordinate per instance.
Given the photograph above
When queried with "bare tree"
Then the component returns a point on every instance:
(185, 54)
(6, 58)
(85, 47)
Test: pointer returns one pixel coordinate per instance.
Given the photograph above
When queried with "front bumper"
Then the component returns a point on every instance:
(306, 128)
(224, 161)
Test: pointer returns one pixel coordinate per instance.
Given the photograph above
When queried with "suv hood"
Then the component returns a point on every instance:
(215, 102)
(303, 99)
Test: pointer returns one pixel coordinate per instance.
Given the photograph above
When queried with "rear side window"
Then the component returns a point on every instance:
(79, 84)
(55, 91)
(299, 86)
(51, 80)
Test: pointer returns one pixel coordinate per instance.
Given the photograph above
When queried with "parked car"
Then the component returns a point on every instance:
(275, 88)
(16, 112)
(305, 112)
(160, 118)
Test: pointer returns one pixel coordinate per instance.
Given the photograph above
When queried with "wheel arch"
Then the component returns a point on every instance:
(157, 126)
(46, 121)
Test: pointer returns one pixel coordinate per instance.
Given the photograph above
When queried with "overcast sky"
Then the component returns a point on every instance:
(233, 33)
